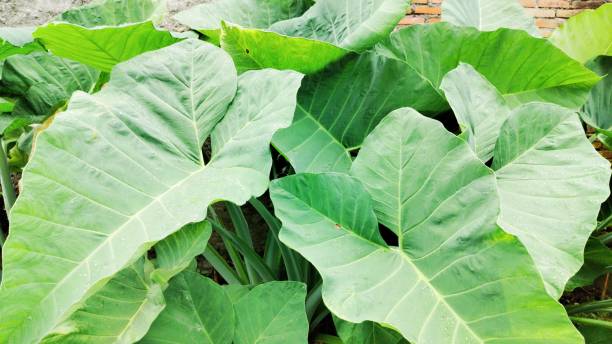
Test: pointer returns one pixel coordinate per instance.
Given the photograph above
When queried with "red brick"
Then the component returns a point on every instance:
(427, 10)
(419, 2)
(411, 20)
(434, 20)
(547, 23)
(567, 13)
(587, 4)
(528, 3)
(541, 13)
(554, 3)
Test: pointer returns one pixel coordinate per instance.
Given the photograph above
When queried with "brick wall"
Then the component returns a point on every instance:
(549, 14)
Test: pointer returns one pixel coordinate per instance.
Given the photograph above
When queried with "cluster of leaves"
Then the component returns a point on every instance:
(441, 187)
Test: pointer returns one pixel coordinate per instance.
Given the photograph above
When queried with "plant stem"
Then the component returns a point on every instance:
(604, 223)
(242, 230)
(313, 300)
(294, 272)
(220, 265)
(231, 251)
(318, 318)
(250, 255)
(595, 306)
(328, 339)
(606, 238)
(8, 192)
(592, 322)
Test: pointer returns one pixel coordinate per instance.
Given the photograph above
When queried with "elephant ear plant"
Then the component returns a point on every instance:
(432, 184)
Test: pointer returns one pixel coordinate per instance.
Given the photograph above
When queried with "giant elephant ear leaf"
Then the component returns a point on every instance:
(551, 183)
(330, 29)
(546, 74)
(106, 33)
(107, 215)
(339, 106)
(586, 35)
(489, 15)
(254, 14)
(130, 302)
(349, 24)
(256, 49)
(451, 255)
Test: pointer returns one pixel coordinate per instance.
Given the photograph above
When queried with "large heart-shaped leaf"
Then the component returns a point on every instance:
(151, 121)
(543, 74)
(339, 106)
(43, 83)
(256, 14)
(479, 108)
(551, 183)
(256, 49)
(330, 29)
(586, 35)
(557, 172)
(106, 33)
(489, 15)
(197, 311)
(272, 313)
(124, 309)
(121, 312)
(349, 24)
(441, 200)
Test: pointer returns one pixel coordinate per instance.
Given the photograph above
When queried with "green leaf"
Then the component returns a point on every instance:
(42, 83)
(151, 121)
(479, 108)
(489, 15)
(17, 40)
(354, 25)
(597, 261)
(541, 73)
(106, 33)
(176, 252)
(367, 332)
(124, 309)
(198, 311)
(255, 14)
(594, 331)
(272, 313)
(114, 12)
(586, 35)
(596, 111)
(451, 255)
(257, 49)
(6, 105)
(121, 312)
(338, 107)
(551, 184)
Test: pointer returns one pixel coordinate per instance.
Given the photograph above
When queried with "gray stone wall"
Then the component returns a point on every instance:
(37, 12)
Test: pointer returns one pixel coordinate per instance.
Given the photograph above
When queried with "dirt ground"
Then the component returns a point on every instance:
(36, 12)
